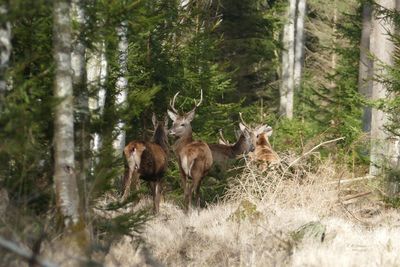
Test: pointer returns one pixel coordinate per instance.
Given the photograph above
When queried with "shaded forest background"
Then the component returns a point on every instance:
(138, 54)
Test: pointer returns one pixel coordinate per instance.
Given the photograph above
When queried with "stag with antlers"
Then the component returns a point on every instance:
(148, 161)
(194, 157)
(223, 152)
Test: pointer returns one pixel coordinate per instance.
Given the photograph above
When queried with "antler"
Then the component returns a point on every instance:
(222, 137)
(201, 100)
(172, 104)
(241, 118)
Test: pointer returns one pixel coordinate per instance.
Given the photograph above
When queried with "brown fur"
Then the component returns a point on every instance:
(222, 153)
(194, 157)
(264, 153)
(148, 161)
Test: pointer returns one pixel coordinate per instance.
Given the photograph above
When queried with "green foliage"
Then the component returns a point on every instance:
(125, 224)
(26, 121)
(329, 102)
(250, 46)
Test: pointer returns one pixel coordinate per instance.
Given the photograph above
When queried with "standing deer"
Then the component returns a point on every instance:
(194, 157)
(223, 152)
(148, 161)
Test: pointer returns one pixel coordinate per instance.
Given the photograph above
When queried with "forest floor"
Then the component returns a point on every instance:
(309, 222)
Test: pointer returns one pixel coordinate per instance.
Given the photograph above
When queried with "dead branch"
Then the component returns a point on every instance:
(24, 253)
(356, 196)
(314, 148)
(345, 181)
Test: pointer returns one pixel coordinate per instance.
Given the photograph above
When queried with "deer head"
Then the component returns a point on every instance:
(261, 132)
(160, 131)
(162, 124)
(181, 123)
(248, 144)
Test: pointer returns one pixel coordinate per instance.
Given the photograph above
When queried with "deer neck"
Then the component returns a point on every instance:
(160, 138)
(263, 141)
(182, 141)
(239, 147)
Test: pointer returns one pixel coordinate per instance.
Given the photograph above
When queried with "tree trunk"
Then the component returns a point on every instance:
(382, 143)
(121, 86)
(299, 44)
(5, 52)
(334, 42)
(365, 65)
(96, 79)
(64, 166)
(287, 87)
(82, 135)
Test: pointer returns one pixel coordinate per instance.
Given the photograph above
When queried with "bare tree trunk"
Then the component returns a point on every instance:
(334, 42)
(382, 143)
(366, 64)
(287, 87)
(5, 52)
(82, 134)
(122, 83)
(96, 79)
(299, 45)
(64, 166)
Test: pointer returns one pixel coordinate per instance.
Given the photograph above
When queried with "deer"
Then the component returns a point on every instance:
(148, 161)
(223, 151)
(194, 157)
(264, 153)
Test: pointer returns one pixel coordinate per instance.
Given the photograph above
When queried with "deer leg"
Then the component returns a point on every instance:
(183, 177)
(136, 181)
(156, 197)
(127, 185)
(196, 187)
(188, 195)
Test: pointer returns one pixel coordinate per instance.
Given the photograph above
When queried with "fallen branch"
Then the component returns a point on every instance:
(356, 196)
(345, 181)
(314, 148)
(24, 253)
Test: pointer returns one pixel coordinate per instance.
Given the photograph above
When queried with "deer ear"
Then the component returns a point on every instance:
(165, 120)
(172, 115)
(242, 127)
(154, 120)
(268, 131)
(190, 115)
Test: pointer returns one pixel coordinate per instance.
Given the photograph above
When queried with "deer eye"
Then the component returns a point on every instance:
(182, 124)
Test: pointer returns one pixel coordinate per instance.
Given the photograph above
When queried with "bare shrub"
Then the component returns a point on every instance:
(292, 185)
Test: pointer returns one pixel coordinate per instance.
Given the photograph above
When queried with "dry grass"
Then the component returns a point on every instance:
(295, 216)
(254, 225)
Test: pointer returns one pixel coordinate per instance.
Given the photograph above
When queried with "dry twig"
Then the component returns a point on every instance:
(24, 253)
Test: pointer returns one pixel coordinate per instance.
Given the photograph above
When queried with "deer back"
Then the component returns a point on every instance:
(194, 157)
(244, 145)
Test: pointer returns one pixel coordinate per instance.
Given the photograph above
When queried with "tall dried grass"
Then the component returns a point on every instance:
(255, 223)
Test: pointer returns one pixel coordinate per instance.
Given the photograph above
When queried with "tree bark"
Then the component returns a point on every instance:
(96, 79)
(121, 86)
(382, 143)
(334, 42)
(299, 44)
(79, 78)
(5, 53)
(366, 64)
(64, 166)
(287, 86)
